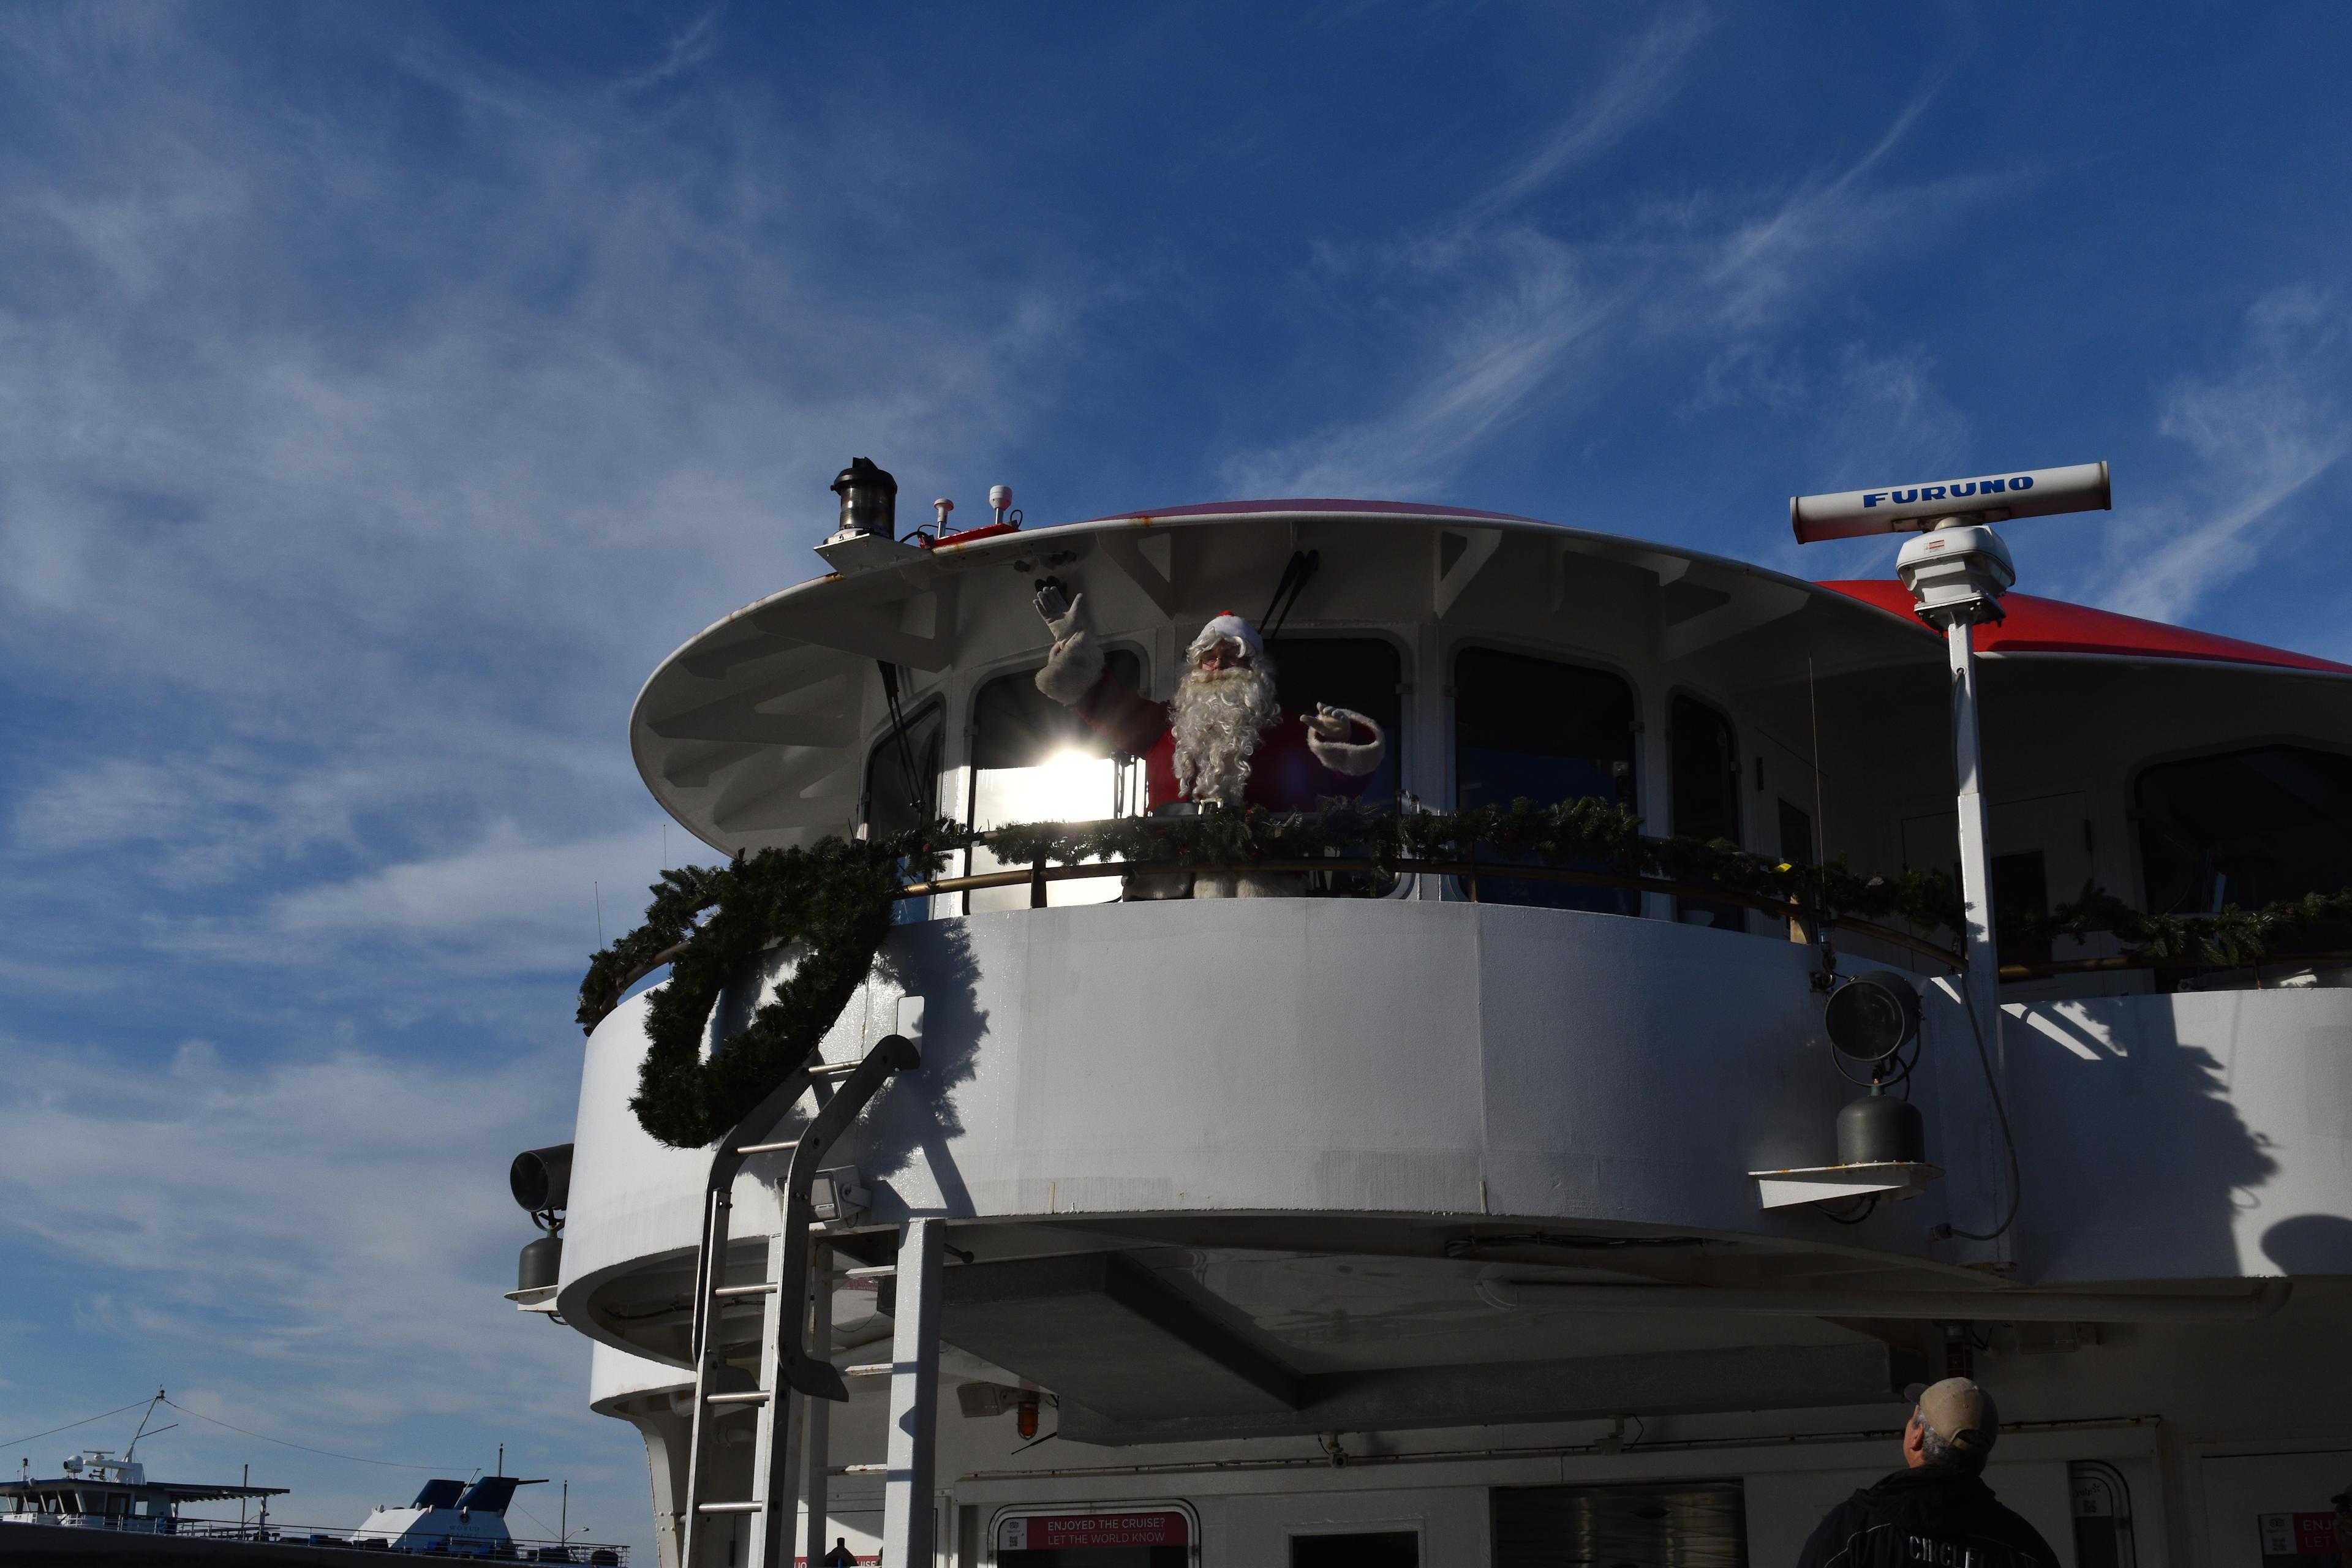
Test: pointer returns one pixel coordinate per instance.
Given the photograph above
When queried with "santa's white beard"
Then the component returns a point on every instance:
(1216, 716)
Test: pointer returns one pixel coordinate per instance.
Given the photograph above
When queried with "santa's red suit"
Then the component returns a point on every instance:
(1284, 775)
(1223, 737)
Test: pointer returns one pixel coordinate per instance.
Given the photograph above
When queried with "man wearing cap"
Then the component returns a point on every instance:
(1936, 1509)
(1221, 739)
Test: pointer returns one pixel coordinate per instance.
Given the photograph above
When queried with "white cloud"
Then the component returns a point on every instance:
(503, 905)
(346, 1214)
(2262, 436)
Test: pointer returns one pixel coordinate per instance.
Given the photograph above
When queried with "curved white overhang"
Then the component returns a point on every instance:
(778, 700)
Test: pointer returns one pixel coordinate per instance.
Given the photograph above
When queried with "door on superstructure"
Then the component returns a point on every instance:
(1662, 1524)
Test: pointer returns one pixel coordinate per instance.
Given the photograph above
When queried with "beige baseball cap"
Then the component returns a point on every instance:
(1958, 1412)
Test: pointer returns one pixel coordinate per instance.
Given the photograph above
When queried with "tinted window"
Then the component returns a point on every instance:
(1674, 1524)
(2248, 828)
(1549, 731)
(1036, 760)
(1363, 1549)
(1358, 673)
(1705, 801)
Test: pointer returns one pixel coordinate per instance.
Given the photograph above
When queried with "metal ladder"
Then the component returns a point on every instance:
(791, 1291)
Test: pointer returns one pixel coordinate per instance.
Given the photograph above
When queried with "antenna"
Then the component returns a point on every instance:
(1918, 507)
(145, 1417)
(1958, 569)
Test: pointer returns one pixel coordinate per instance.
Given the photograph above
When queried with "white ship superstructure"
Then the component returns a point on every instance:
(1473, 1218)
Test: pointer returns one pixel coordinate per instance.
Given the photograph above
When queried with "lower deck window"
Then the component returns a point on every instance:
(1357, 1548)
(1670, 1524)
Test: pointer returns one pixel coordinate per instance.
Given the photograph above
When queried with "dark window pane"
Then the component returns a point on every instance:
(2249, 828)
(1367, 1549)
(2020, 885)
(1361, 673)
(1796, 835)
(1672, 1525)
(1706, 788)
(895, 800)
(1548, 731)
(1707, 771)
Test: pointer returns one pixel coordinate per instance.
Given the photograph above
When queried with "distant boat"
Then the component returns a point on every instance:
(103, 1510)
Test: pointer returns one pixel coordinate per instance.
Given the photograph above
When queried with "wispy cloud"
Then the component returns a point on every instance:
(344, 1217)
(1480, 372)
(1637, 89)
(1508, 318)
(2260, 436)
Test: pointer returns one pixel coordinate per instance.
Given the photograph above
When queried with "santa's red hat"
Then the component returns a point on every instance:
(1227, 627)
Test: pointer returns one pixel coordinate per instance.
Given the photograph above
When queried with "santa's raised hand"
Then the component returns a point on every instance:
(1075, 662)
(1327, 731)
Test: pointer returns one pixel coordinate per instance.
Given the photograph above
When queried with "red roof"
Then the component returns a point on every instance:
(2052, 625)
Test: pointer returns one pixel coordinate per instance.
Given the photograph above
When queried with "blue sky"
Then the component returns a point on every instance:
(384, 390)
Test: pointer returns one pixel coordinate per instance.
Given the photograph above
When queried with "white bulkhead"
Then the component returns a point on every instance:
(1425, 1225)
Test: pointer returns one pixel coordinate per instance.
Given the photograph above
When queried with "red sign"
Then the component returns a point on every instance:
(2298, 1534)
(1059, 1531)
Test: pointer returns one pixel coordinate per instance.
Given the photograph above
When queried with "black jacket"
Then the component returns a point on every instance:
(1935, 1516)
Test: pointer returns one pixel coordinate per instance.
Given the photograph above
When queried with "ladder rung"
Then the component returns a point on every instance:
(768, 1148)
(730, 1508)
(856, 1469)
(756, 1397)
(876, 1271)
(869, 1369)
(745, 1291)
(835, 1070)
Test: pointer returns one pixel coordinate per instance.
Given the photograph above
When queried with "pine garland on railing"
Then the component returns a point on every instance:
(1588, 832)
(2230, 938)
(834, 897)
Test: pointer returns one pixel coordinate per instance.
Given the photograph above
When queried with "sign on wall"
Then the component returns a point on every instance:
(1063, 1531)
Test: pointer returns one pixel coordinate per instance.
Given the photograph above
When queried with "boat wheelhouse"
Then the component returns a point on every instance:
(1461, 1213)
(99, 1491)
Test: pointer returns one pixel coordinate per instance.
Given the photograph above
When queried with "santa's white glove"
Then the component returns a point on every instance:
(1075, 662)
(1328, 730)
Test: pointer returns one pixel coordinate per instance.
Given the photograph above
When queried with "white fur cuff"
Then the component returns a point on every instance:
(1072, 668)
(1352, 759)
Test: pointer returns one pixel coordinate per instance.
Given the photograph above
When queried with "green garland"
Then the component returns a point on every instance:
(2231, 939)
(1589, 832)
(835, 896)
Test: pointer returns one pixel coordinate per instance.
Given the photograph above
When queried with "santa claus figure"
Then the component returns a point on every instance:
(1220, 741)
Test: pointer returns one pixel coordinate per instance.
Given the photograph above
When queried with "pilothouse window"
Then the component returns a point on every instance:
(2246, 828)
(1550, 731)
(1036, 760)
